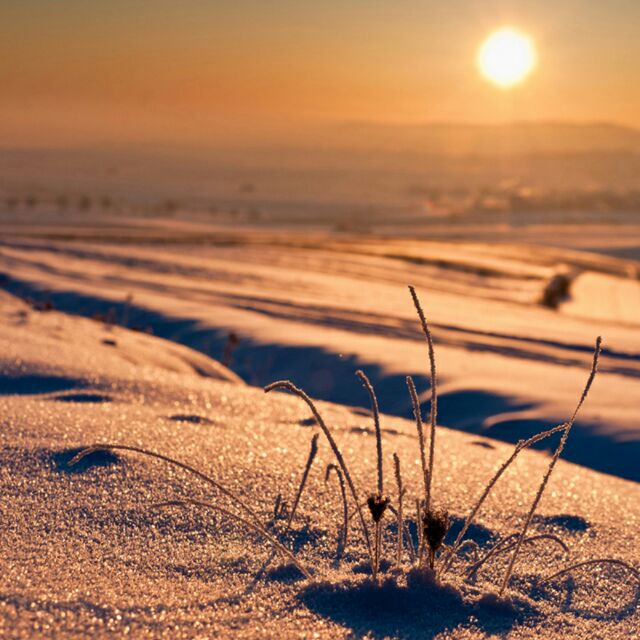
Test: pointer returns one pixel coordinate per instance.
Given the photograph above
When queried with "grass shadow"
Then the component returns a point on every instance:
(94, 460)
(190, 418)
(35, 384)
(88, 398)
(421, 609)
(618, 598)
(564, 521)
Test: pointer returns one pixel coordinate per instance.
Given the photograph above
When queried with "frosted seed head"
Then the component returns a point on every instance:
(435, 524)
(377, 505)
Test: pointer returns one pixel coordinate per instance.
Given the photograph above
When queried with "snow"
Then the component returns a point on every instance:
(605, 297)
(85, 553)
(314, 308)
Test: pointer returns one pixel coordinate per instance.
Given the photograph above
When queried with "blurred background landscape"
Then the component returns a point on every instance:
(431, 180)
(261, 183)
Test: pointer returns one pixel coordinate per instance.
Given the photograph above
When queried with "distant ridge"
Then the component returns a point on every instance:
(526, 137)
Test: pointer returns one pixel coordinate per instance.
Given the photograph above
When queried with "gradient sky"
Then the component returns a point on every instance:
(75, 72)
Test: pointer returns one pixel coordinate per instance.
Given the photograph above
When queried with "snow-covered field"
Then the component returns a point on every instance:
(314, 307)
(84, 550)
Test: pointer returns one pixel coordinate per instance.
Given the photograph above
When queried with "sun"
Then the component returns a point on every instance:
(507, 57)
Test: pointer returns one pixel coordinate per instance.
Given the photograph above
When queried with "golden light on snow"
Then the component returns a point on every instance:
(507, 57)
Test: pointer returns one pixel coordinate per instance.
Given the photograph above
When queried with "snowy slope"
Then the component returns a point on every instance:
(86, 554)
(315, 308)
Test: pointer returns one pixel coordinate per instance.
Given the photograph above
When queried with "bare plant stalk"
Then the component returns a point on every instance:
(412, 551)
(355, 511)
(250, 525)
(473, 545)
(434, 392)
(503, 547)
(376, 421)
(376, 513)
(277, 506)
(520, 446)
(552, 464)
(378, 548)
(420, 532)
(214, 483)
(497, 547)
(303, 481)
(401, 492)
(289, 386)
(418, 417)
(407, 530)
(342, 543)
(619, 563)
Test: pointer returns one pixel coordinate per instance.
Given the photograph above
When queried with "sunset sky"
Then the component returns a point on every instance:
(77, 72)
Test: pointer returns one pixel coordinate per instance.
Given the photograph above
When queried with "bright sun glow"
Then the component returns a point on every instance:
(507, 57)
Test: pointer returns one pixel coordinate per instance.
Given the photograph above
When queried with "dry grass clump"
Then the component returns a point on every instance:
(432, 559)
(289, 386)
(557, 289)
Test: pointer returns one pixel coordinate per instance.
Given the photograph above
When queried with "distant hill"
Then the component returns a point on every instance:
(348, 162)
(519, 138)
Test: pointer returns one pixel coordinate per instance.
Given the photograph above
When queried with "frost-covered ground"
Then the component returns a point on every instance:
(84, 552)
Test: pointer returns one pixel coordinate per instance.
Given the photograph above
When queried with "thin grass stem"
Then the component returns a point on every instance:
(342, 542)
(473, 545)
(417, 413)
(376, 421)
(214, 483)
(520, 446)
(420, 532)
(247, 523)
(277, 505)
(407, 531)
(434, 392)
(377, 503)
(502, 547)
(401, 492)
(552, 464)
(305, 474)
(303, 481)
(619, 563)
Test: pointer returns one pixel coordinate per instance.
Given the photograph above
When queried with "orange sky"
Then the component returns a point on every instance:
(202, 71)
